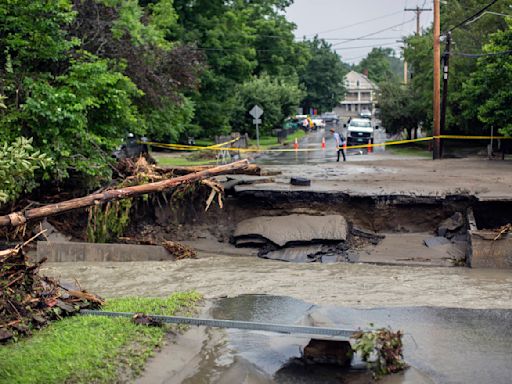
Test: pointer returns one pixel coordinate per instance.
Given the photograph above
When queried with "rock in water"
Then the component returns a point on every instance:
(281, 230)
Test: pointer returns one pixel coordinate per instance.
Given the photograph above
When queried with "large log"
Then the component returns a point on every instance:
(18, 218)
(251, 169)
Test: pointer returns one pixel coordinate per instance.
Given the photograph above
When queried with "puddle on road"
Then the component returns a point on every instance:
(441, 345)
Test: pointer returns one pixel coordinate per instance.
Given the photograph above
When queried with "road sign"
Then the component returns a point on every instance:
(256, 112)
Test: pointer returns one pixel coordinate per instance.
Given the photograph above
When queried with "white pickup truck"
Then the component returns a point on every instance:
(359, 131)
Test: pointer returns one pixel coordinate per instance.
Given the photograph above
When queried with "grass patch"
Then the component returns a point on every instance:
(167, 161)
(402, 150)
(271, 141)
(88, 349)
(204, 142)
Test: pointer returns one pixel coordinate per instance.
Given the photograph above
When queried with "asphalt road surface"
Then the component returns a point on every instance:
(313, 140)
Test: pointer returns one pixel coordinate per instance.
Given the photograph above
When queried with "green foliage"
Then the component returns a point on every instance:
(86, 349)
(278, 98)
(172, 121)
(418, 54)
(78, 75)
(489, 86)
(380, 62)
(106, 222)
(463, 106)
(78, 118)
(381, 349)
(19, 162)
(323, 77)
(31, 31)
(399, 108)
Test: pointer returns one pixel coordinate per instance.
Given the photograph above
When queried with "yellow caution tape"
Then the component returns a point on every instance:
(220, 147)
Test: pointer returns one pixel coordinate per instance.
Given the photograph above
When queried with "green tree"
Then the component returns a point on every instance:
(470, 38)
(323, 76)
(418, 53)
(380, 64)
(279, 99)
(399, 109)
(487, 93)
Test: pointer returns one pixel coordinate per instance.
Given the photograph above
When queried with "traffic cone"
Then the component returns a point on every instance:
(370, 148)
(323, 142)
(296, 144)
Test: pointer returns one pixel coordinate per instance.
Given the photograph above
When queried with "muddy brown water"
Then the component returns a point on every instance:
(441, 345)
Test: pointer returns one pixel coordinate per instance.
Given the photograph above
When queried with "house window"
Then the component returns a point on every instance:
(349, 107)
(357, 83)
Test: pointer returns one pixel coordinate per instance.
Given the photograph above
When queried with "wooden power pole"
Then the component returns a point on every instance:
(418, 11)
(437, 79)
(444, 98)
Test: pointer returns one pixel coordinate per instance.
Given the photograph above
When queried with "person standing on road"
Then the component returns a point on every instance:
(340, 142)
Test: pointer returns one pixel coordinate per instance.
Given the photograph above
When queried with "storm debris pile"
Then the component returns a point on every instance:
(178, 250)
(381, 349)
(29, 301)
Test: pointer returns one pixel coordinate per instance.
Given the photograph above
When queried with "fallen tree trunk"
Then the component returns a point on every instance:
(251, 169)
(19, 218)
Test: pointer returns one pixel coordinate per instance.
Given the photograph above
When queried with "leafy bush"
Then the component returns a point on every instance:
(18, 164)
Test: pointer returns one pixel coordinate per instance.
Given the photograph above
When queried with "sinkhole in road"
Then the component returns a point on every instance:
(303, 226)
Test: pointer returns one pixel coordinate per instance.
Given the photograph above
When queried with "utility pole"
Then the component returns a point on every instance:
(437, 78)
(406, 74)
(446, 68)
(418, 11)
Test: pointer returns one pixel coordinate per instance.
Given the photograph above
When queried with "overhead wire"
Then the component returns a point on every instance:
(477, 55)
(478, 13)
(355, 24)
(374, 33)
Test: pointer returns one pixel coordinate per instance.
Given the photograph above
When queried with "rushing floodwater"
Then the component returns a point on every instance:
(442, 345)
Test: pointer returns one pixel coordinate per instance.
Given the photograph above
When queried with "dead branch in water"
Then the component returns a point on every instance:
(19, 218)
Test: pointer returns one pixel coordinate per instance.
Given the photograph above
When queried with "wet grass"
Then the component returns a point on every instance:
(267, 142)
(85, 349)
(402, 150)
(182, 161)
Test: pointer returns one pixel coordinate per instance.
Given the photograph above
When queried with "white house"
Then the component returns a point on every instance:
(361, 96)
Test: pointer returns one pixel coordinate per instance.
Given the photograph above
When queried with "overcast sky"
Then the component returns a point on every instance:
(335, 20)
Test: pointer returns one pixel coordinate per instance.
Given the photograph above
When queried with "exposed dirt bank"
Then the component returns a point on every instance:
(351, 285)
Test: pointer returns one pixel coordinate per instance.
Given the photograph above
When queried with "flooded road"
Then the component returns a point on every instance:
(313, 141)
(442, 345)
(341, 284)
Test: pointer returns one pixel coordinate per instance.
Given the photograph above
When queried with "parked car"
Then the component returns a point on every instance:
(365, 114)
(330, 118)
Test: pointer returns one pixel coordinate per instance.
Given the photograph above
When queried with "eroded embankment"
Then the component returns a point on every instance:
(396, 220)
(388, 214)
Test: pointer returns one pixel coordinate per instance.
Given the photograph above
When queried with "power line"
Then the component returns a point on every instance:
(368, 38)
(365, 46)
(355, 24)
(477, 55)
(374, 33)
(474, 15)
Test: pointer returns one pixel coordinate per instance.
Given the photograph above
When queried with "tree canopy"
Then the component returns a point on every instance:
(76, 76)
